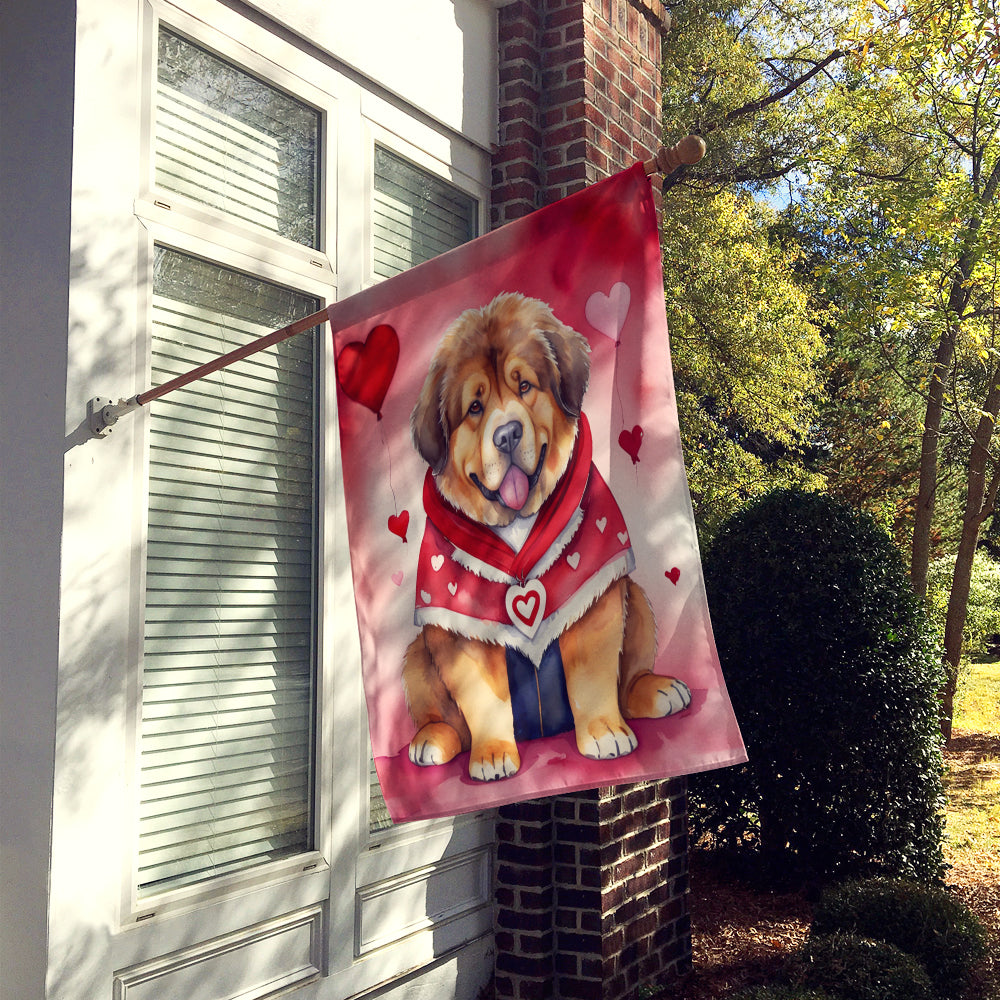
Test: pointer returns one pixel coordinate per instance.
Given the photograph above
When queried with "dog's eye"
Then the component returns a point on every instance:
(525, 387)
(475, 408)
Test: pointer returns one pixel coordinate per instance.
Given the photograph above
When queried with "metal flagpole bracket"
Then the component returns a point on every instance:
(103, 413)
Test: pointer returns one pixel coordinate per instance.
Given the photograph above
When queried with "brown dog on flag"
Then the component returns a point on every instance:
(530, 623)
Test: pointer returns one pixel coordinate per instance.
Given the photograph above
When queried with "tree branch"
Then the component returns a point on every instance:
(754, 106)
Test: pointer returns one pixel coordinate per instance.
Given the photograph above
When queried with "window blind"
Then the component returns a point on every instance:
(416, 216)
(228, 654)
(228, 140)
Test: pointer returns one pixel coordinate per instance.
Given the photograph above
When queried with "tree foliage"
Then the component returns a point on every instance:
(911, 192)
(747, 351)
(875, 129)
(747, 357)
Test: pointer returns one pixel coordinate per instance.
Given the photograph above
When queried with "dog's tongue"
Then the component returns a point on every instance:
(514, 488)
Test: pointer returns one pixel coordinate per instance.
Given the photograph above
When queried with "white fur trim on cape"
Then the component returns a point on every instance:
(551, 627)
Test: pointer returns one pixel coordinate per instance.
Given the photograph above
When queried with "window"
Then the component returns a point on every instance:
(416, 216)
(274, 183)
(228, 687)
(227, 140)
(229, 646)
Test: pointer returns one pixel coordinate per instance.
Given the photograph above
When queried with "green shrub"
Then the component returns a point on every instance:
(782, 993)
(926, 922)
(833, 673)
(856, 968)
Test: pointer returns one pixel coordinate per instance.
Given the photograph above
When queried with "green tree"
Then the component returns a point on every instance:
(880, 123)
(910, 181)
(747, 358)
(747, 353)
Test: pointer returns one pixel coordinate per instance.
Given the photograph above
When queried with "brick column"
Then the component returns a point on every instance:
(579, 96)
(591, 888)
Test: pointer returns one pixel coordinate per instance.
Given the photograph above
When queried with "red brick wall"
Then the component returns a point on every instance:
(579, 96)
(591, 893)
(591, 888)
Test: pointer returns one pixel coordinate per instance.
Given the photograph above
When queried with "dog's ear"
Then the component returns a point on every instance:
(572, 357)
(427, 422)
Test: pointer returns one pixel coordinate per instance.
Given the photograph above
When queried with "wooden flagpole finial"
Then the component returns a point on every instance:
(668, 158)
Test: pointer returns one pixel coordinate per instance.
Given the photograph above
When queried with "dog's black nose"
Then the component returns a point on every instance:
(508, 437)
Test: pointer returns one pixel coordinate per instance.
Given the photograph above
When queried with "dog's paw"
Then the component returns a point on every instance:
(653, 696)
(493, 760)
(603, 739)
(436, 743)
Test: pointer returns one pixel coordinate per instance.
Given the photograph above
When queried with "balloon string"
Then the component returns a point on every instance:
(388, 454)
(617, 388)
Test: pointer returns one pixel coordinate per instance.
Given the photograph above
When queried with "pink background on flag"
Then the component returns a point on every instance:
(568, 254)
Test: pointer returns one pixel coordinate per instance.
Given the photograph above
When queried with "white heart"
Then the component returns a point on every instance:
(573, 560)
(437, 562)
(453, 589)
(607, 313)
(602, 523)
(526, 606)
(623, 537)
(425, 597)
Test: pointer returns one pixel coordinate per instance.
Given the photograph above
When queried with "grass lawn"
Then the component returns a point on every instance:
(973, 810)
(974, 769)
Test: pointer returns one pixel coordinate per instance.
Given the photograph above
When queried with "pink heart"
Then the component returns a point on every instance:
(397, 578)
(606, 313)
(398, 523)
(673, 575)
(631, 442)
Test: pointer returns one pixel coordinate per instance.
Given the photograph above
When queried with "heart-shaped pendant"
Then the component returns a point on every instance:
(526, 606)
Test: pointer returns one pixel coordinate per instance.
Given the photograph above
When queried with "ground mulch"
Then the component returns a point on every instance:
(742, 934)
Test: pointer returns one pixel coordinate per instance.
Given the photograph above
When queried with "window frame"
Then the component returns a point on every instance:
(137, 909)
(347, 864)
(177, 223)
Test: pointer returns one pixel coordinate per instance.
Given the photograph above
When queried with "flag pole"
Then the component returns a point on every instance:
(103, 413)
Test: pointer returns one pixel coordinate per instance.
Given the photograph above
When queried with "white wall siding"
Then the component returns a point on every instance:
(36, 107)
(438, 56)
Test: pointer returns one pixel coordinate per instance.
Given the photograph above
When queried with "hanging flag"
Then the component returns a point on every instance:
(529, 591)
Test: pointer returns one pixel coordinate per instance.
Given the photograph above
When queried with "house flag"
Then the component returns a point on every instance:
(529, 593)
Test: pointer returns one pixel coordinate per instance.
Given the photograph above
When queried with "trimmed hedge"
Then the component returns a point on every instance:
(782, 993)
(857, 968)
(924, 921)
(833, 672)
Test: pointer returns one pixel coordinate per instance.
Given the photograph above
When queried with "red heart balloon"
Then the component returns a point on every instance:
(398, 523)
(631, 442)
(673, 575)
(364, 371)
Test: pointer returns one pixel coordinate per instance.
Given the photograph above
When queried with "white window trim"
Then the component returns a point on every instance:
(348, 865)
